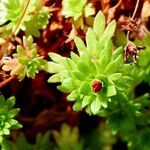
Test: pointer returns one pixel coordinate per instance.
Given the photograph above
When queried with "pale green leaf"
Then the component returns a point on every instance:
(83, 68)
(80, 45)
(109, 32)
(11, 102)
(85, 88)
(74, 57)
(111, 90)
(73, 96)
(77, 106)
(69, 83)
(95, 106)
(88, 10)
(114, 65)
(78, 75)
(52, 67)
(99, 24)
(91, 42)
(54, 78)
(56, 57)
(115, 76)
(103, 100)
(103, 62)
(86, 101)
(73, 8)
(108, 49)
(117, 52)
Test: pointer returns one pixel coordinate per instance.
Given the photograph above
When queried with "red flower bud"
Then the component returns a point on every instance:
(96, 86)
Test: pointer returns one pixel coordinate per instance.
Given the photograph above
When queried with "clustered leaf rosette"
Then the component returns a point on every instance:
(21, 143)
(67, 138)
(31, 15)
(140, 115)
(26, 61)
(76, 8)
(95, 76)
(128, 114)
(7, 114)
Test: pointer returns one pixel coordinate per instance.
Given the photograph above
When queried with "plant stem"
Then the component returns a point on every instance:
(133, 15)
(135, 10)
(3, 83)
(21, 17)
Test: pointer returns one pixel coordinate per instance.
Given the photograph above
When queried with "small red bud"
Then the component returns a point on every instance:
(96, 86)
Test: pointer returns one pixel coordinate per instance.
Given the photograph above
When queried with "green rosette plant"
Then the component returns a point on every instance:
(80, 11)
(68, 138)
(95, 76)
(42, 143)
(76, 8)
(29, 16)
(26, 62)
(128, 113)
(7, 114)
(29, 60)
(142, 132)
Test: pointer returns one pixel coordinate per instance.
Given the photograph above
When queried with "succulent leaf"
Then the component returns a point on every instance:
(99, 24)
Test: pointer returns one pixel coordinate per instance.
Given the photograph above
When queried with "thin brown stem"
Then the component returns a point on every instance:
(21, 17)
(127, 37)
(133, 15)
(19, 20)
(135, 10)
(3, 83)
